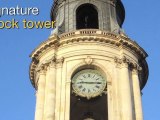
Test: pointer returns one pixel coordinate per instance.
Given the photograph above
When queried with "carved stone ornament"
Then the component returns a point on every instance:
(59, 62)
(88, 60)
(122, 60)
(132, 65)
(42, 68)
(52, 62)
(46, 64)
(135, 68)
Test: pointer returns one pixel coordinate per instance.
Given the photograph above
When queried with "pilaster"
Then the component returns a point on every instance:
(50, 91)
(137, 93)
(67, 108)
(63, 89)
(116, 85)
(110, 101)
(40, 95)
(59, 65)
(125, 89)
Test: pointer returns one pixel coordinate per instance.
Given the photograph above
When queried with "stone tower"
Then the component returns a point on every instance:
(88, 69)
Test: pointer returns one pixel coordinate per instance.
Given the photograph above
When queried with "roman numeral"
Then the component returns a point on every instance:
(93, 76)
(84, 89)
(94, 89)
(97, 86)
(89, 75)
(97, 79)
(84, 76)
(80, 86)
(89, 90)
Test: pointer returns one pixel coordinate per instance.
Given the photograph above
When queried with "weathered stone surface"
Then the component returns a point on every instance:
(60, 56)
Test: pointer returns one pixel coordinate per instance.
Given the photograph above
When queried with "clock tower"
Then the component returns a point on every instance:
(88, 69)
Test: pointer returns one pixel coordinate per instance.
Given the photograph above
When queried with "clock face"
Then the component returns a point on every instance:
(88, 83)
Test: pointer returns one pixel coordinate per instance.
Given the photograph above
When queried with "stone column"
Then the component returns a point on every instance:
(110, 101)
(40, 94)
(116, 99)
(50, 92)
(63, 93)
(125, 91)
(67, 108)
(137, 95)
(59, 64)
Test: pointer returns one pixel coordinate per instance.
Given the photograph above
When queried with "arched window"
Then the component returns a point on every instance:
(87, 17)
(83, 104)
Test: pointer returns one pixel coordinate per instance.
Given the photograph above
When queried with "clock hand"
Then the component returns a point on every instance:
(89, 83)
(98, 82)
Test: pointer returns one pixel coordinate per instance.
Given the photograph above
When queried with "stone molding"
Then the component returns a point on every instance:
(43, 67)
(50, 63)
(46, 64)
(120, 41)
(50, 43)
(124, 62)
(92, 35)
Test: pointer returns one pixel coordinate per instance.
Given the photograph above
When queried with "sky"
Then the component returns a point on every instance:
(17, 96)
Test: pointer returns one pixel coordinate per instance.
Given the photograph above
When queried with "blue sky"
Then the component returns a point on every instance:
(17, 101)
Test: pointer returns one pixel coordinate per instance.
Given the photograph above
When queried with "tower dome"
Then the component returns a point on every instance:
(107, 15)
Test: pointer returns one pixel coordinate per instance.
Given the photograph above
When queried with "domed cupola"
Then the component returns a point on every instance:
(72, 15)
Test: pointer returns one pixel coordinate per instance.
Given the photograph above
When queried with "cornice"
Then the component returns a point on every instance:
(87, 35)
(50, 43)
(119, 40)
(93, 35)
(43, 67)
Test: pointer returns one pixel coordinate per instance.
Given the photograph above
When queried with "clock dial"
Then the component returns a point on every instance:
(88, 83)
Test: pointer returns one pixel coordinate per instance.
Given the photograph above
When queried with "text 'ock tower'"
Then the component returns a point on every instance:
(88, 69)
